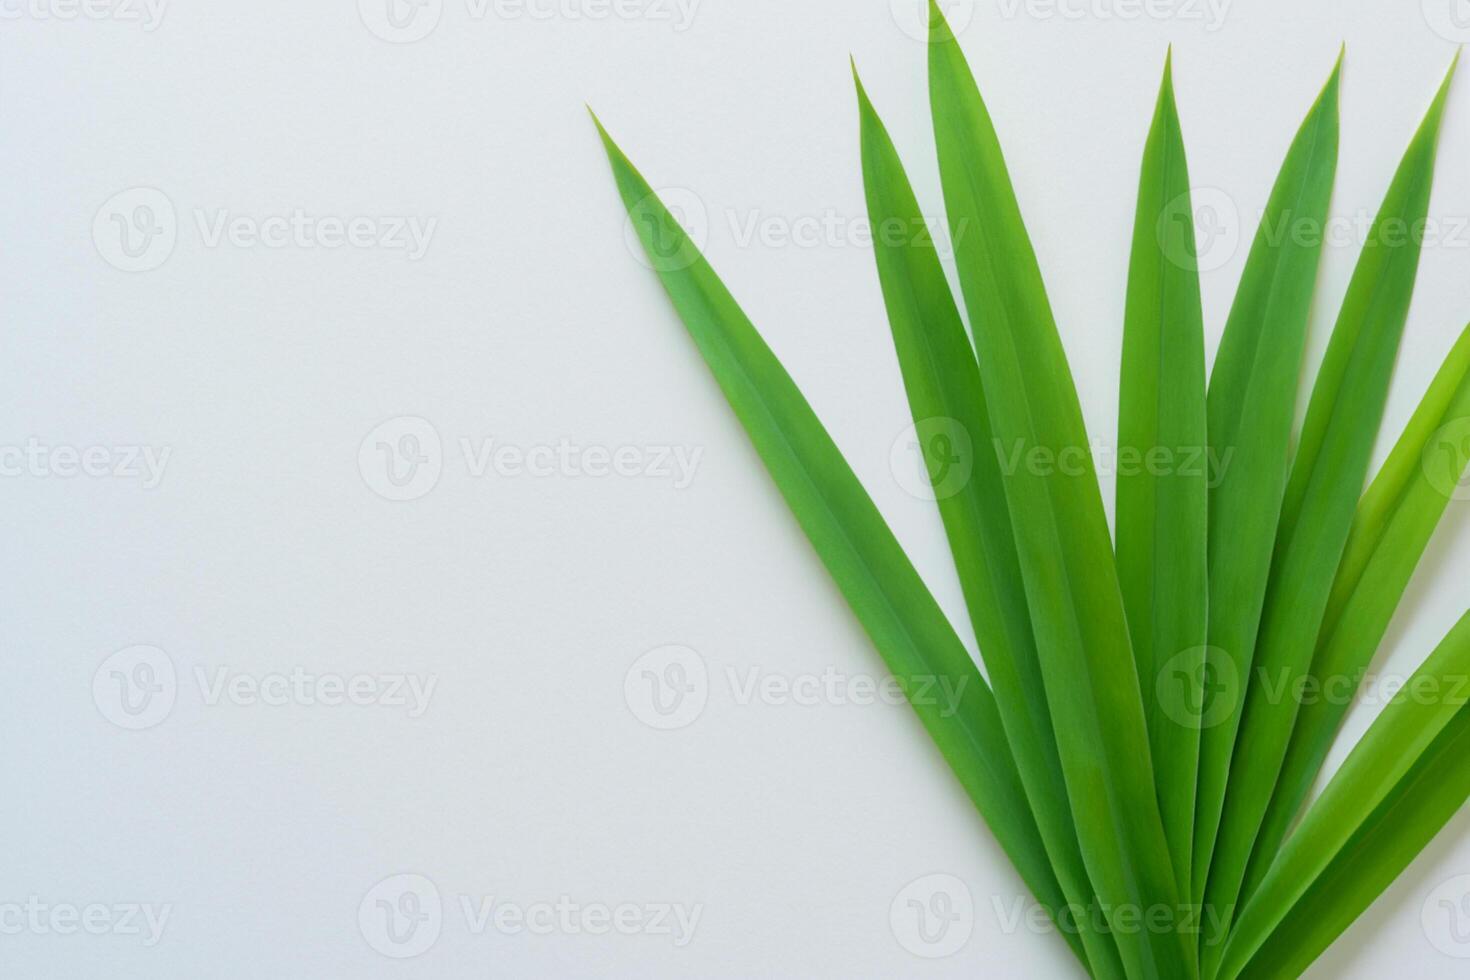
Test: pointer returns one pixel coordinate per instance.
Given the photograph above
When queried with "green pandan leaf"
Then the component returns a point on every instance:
(955, 439)
(1252, 402)
(1331, 469)
(850, 536)
(1395, 791)
(1392, 529)
(1162, 478)
(1062, 538)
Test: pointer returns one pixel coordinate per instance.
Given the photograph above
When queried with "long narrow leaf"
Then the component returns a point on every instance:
(1370, 790)
(1162, 480)
(1327, 481)
(851, 537)
(1252, 402)
(1062, 537)
(1394, 524)
(1391, 839)
(943, 384)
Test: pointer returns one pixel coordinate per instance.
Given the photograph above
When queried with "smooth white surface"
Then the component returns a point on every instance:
(796, 828)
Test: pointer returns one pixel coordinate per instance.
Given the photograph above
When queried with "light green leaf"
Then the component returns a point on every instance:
(1252, 402)
(1063, 544)
(1392, 529)
(1327, 481)
(1162, 473)
(1394, 792)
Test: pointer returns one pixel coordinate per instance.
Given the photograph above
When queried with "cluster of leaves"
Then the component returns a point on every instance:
(1141, 749)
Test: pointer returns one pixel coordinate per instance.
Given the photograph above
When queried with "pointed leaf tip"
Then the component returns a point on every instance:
(595, 121)
(939, 29)
(1450, 75)
(1333, 85)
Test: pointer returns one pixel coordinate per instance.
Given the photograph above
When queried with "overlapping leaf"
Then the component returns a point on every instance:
(1062, 538)
(954, 438)
(1162, 473)
(852, 539)
(1380, 802)
(1393, 526)
(1084, 761)
(1327, 479)
(1252, 400)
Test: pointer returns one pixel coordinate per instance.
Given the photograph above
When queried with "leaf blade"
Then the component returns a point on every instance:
(1380, 774)
(942, 380)
(1390, 534)
(1251, 403)
(1327, 478)
(1061, 532)
(851, 537)
(1161, 512)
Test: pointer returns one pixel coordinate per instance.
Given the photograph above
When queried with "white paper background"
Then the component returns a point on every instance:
(264, 548)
